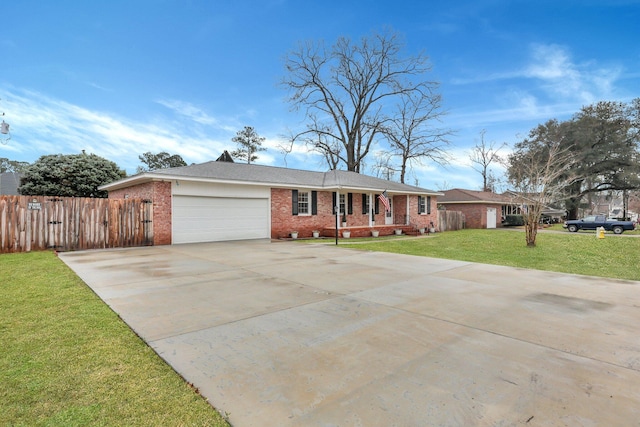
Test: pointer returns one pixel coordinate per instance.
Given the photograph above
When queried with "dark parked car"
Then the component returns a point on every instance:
(594, 222)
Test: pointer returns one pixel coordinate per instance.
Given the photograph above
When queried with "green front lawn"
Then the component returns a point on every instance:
(578, 253)
(66, 359)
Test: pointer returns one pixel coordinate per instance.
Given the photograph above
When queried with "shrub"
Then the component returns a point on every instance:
(513, 220)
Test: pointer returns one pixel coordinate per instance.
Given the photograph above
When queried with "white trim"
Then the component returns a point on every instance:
(309, 202)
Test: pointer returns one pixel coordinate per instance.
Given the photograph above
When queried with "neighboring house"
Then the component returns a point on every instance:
(9, 183)
(218, 200)
(549, 214)
(482, 209)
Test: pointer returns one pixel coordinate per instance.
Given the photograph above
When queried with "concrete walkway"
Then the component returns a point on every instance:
(291, 334)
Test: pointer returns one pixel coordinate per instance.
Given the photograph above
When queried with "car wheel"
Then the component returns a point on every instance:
(617, 229)
(572, 228)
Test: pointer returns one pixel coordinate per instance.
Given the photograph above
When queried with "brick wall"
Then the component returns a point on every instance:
(476, 214)
(160, 193)
(283, 222)
(422, 220)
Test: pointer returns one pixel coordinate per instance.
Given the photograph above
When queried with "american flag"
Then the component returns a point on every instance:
(385, 201)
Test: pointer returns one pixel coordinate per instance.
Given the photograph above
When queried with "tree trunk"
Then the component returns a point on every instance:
(403, 170)
(531, 230)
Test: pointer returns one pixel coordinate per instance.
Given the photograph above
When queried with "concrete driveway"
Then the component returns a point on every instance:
(291, 334)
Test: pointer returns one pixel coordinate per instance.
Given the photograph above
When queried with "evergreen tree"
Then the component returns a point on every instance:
(161, 160)
(74, 175)
(249, 143)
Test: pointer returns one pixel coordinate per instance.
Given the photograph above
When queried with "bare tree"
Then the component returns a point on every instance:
(410, 134)
(343, 91)
(249, 143)
(483, 155)
(383, 166)
(443, 186)
(539, 178)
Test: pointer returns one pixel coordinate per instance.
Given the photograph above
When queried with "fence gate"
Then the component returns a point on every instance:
(72, 223)
(450, 220)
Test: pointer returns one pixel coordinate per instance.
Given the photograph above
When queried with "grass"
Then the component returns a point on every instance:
(66, 359)
(577, 253)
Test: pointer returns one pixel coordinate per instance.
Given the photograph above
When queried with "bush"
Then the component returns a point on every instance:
(513, 220)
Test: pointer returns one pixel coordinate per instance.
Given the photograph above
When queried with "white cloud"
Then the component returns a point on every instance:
(52, 126)
(566, 80)
(551, 70)
(99, 87)
(551, 62)
(191, 112)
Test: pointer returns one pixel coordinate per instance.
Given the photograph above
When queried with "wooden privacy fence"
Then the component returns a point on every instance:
(71, 223)
(450, 220)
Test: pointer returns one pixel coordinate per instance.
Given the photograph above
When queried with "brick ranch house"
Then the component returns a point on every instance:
(217, 201)
(484, 209)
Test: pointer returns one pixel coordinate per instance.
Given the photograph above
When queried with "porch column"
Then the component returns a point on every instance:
(338, 214)
(371, 209)
(406, 217)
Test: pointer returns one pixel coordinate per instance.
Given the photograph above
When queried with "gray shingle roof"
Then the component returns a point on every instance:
(472, 196)
(9, 183)
(272, 176)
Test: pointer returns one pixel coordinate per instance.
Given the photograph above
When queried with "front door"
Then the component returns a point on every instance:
(388, 215)
(491, 218)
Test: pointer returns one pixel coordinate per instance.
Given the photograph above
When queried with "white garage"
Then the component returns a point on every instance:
(208, 213)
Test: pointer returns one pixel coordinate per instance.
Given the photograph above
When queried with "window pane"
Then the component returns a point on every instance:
(303, 203)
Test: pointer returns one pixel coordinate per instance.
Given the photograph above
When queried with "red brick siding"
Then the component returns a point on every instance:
(422, 220)
(400, 209)
(160, 193)
(475, 214)
(283, 222)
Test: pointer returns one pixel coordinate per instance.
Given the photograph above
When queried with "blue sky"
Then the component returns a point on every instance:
(120, 78)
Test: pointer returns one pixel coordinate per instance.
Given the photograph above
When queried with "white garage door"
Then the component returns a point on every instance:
(210, 219)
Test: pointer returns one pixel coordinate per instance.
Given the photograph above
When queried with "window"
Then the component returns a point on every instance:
(424, 204)
(345, 203)
(366, 207)
(511, 210)
(303, 203)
